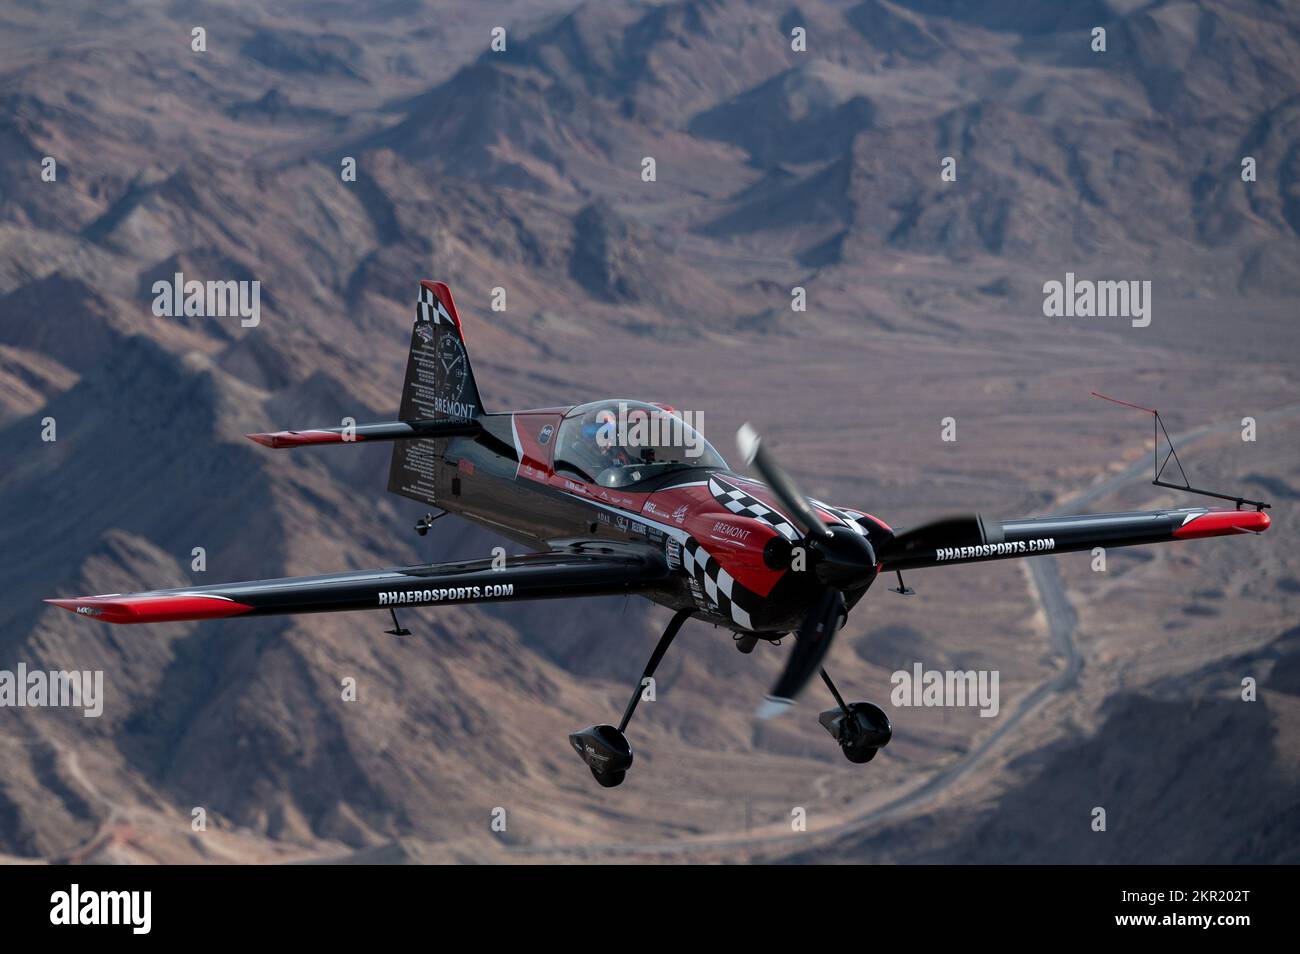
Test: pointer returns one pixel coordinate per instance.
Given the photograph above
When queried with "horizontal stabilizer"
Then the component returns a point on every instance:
(386, 431)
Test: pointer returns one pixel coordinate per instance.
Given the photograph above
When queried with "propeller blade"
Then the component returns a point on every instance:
(961, 530)
(796, 504)
(814, 639)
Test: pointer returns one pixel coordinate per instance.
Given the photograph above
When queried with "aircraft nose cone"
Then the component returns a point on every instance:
(846, 558)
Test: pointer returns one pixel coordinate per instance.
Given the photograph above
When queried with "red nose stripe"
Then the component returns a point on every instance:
(152, 609)
(1218, 523)
(280, 439)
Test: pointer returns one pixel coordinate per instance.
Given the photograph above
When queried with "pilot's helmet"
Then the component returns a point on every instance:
(600, 420)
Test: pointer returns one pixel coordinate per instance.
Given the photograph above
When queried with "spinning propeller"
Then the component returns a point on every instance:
(842, 561)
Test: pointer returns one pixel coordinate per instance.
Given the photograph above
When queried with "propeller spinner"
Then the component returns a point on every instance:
(842, 561)
(839, 558)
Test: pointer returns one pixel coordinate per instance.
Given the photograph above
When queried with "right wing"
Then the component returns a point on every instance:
(583, 569)
(974, 539)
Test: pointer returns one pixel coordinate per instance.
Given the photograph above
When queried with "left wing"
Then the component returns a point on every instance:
(968, 540)
(583, 569)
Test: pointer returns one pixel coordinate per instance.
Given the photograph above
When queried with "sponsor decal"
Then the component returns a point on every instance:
(728, 530)
(425, 331)
(544, 435)
(446, 594)
(1006, 548)
(452, 355)
(461, 409)
(697, 594)
(679, 514)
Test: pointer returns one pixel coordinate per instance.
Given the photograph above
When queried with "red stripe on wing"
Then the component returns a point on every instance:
(1218, 523)
(279, 439)
(152, 609)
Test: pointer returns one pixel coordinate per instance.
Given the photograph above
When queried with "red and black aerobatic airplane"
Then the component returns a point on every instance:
(623, 497)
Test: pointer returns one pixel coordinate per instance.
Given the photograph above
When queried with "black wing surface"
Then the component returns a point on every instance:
(383, 431)
(583, 569)
(972, 539)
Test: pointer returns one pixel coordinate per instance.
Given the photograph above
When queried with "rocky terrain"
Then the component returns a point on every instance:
(775, 169)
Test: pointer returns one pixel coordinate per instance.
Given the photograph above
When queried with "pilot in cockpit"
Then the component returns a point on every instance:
(600, 440)
(622, 443)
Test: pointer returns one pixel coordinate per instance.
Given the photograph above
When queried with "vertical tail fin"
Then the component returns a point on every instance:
(439, 381)
(439, 385)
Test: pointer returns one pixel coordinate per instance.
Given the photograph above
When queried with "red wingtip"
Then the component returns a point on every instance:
(282, 439)
(152, 609)
(1218, 523)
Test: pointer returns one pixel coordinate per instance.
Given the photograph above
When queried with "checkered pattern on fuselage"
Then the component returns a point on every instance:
(742, 504)
(719, 587)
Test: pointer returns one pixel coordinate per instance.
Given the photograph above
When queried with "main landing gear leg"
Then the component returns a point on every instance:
(861, 728)
(603, 747)
(839, 700)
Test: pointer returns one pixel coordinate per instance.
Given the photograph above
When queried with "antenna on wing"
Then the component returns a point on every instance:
(1158, 467)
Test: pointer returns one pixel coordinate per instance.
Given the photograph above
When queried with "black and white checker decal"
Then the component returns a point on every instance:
(429, 308)
(730, 597)
(741, 503)
(847, 517)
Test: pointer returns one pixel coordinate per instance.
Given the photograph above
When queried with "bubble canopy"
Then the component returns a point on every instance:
(620, 443)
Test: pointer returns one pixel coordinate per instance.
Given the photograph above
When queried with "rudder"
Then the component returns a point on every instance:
(439, 385)
(439, 381)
